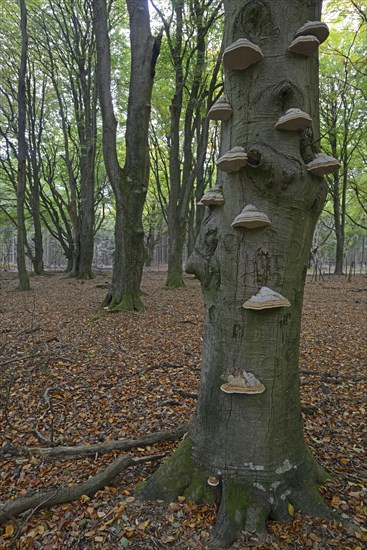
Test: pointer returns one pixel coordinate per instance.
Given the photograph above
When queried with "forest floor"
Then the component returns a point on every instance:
(71, 375)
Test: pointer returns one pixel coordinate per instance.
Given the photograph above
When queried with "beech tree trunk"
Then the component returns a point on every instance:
(254, 444)
(130, 183)
(22, 153)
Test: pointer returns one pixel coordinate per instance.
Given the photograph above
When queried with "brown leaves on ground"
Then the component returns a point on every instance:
(73, 375)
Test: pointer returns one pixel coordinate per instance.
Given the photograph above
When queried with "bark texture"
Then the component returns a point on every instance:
(254, 444)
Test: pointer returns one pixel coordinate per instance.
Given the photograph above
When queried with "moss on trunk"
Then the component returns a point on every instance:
(243, 504)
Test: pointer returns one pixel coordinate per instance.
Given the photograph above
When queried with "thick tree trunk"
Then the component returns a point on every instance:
(253, 444)
(22, 154)
(129, 184)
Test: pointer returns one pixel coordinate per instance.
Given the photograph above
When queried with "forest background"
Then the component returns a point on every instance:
(69, 205)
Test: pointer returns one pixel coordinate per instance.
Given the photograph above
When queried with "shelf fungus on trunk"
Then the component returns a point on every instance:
(323, 165)
(241, 54)
(213, 197)
(304, 45)
(315, 28)
(220, 110)
(213, 481)
(233, 160)
(251, 218)
(245, 383)
(266, 299)
(294, 120)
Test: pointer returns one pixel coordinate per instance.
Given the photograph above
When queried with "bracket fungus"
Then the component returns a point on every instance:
(323, 165)
(304, 44)
(213, 481)
(246, 383)
(266, 299)
(233, 160)
(294, 120)
(213, 197)
(220, 110)
(251, 218)
(316, 28)
(241, 54)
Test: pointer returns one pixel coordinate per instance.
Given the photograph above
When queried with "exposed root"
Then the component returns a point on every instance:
(244, 503)
(60, 495)
(90, 450)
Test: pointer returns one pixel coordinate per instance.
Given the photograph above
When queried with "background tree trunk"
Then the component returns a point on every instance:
(22, 153)
(254, 444)
(129, 184)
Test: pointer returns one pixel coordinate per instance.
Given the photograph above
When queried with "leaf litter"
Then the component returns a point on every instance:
(73, 375)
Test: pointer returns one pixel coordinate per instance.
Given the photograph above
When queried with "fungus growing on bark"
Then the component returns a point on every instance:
(304, 45)
(323, 165)
(266, 299)
(213, 481)
(233, 160)
(316, 28)
(241, 54)
(294, 120)
(245, 383)
(213, 197)
(220, 110)
(251, 218)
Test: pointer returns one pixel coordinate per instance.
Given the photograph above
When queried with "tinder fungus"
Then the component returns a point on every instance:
(213, 197)
(315, 28)
(213, 481)
(266, 299)
(304, 45)
(323, 165)
(251, 218)
(233, 160)
(241, 54)
(245, 383)
(220, 110)
(294, 120)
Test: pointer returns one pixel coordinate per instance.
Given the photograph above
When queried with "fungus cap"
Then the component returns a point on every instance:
(266, 299)
(323, 165)
(316, 28)
(233, 160)
(251, 218)
(213, 197)
(213, 481)
(248, 390)
(245, 383)
(304, 45)
(241, 54)
(220, 110)
(294, 120)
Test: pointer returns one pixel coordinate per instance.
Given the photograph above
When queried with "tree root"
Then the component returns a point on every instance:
(245, 502)
(98, 448)
(60, 495)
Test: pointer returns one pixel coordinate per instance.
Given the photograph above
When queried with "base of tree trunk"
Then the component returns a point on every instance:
(85, 276)
(174, 281)
(128, 302)
(243, 505)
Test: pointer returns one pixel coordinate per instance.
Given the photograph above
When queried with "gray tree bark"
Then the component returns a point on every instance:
(254, 444)
(129, 183)
(22, 153)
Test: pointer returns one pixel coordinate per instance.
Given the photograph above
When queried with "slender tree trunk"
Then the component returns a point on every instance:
(22, 153)
(87, 138)
(251, 445)
(129, 184)
(34, 176)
